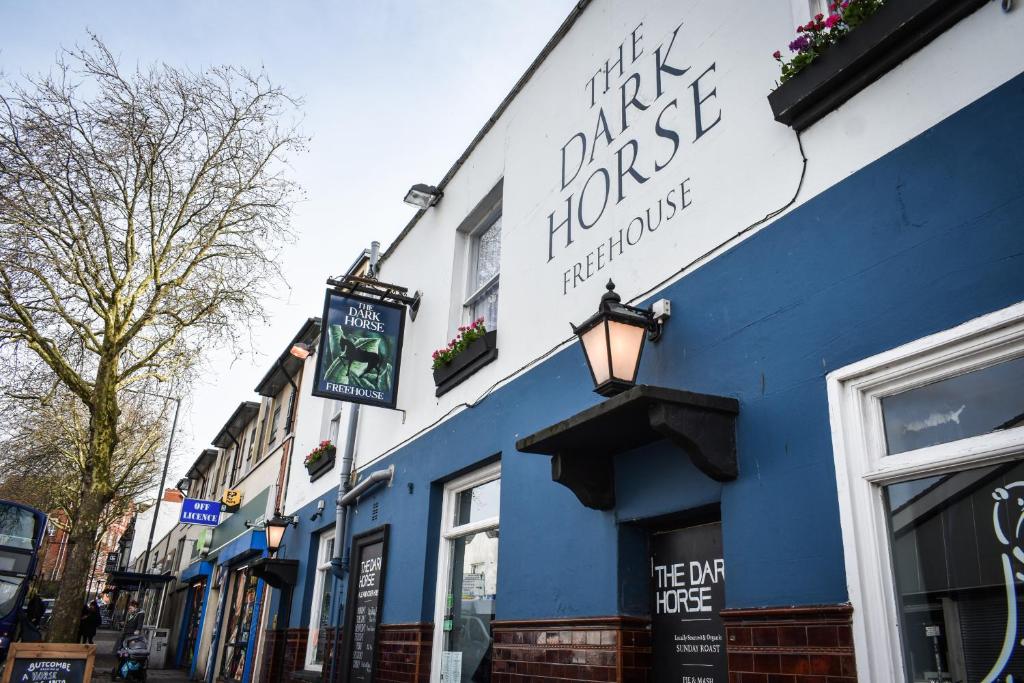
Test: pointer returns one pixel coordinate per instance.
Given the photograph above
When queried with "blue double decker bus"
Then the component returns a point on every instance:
(21, 535)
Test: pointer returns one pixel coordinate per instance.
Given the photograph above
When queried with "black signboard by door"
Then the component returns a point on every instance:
(688, 593)
(362, 609)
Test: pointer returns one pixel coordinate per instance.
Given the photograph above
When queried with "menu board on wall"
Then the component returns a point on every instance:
(688, 593)
(366, 588)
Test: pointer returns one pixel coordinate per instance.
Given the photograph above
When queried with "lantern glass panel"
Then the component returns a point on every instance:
(274, 535)
(596, 348)
(626, 343)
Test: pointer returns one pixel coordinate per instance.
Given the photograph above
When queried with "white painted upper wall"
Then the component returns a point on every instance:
(732, 173)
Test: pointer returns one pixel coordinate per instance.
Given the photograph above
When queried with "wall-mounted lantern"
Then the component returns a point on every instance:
(275, 528)
(613, 340)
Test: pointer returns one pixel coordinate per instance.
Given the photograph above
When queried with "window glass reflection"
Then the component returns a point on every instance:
(971, 404)
(479, 502)
(471, 598)
(958, 554)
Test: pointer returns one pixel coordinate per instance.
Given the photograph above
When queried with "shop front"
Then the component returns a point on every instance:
(197, 578)
(234, 639)
(244, 592)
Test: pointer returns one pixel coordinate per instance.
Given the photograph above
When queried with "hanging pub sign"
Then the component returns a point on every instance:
(360, 350)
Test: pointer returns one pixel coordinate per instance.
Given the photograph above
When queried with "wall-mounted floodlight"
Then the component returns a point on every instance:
(423, 196)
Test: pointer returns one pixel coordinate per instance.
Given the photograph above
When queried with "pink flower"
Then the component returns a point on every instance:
(819, 16)
(832, 20)
(777, 54)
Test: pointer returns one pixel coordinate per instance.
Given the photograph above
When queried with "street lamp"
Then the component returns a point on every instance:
(423, 196)
(613, 340)
(163, 477)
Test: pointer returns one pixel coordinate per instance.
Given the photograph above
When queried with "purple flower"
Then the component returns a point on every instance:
(800, 44)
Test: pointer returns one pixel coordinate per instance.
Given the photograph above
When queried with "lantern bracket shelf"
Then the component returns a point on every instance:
(582, 447)
(276, 572)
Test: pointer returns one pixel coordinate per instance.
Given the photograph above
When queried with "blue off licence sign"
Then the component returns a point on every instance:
(194, 511)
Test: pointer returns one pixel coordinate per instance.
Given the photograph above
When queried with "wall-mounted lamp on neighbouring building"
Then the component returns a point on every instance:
(613, 340)
(319, 510)
(423, 196)
(301, 350)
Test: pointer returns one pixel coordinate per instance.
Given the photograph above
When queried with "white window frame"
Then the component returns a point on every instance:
(323, 574)
(449, 534)
(473, 295)
(334, 420)
(863, 468)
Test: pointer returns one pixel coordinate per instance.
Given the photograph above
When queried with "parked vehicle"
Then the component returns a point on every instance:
(21, 535)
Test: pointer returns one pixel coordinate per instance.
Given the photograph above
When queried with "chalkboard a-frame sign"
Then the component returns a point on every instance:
(362, 608)
(49, 663)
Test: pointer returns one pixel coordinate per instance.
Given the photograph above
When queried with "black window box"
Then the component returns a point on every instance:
(478, 354)
(899, 29)
(320, 467)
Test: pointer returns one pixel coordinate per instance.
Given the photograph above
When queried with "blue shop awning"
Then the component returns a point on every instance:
(196, 570)
(252, 542)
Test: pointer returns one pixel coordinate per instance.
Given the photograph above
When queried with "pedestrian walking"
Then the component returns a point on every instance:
(90, 622)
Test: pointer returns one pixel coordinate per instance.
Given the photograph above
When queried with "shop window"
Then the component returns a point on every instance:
(467, 577)
(929, 451)
(242, 608)
(485, 260)
(320, 609)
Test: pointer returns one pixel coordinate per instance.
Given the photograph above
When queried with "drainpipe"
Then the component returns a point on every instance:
(341, 508)
(339, 563)
(353, 495)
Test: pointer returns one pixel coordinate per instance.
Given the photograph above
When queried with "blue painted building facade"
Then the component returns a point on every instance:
(884, 240)
(923, 239)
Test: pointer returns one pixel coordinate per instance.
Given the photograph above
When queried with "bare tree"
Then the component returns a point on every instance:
(140, 216)
(44, 456)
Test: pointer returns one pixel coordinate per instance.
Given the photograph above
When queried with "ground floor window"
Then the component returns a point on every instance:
(241, 611)
(929, 448)
(467, 578)
(323, 603)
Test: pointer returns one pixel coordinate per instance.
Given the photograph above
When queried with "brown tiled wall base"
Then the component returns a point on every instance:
(403, 653)
(590, 649)
(812, 644)
(293, 640)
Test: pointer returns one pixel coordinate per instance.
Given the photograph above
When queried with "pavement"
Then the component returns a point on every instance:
(106, 660)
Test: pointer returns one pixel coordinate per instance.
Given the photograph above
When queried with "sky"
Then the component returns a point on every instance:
(393, 92)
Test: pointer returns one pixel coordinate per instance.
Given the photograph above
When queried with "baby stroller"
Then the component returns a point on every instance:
(133, 659)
